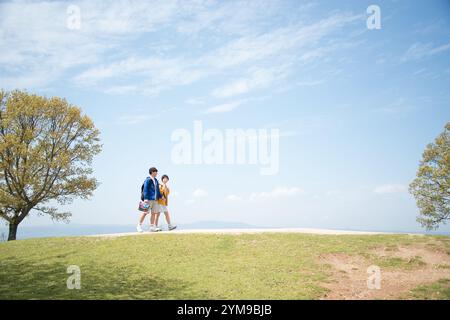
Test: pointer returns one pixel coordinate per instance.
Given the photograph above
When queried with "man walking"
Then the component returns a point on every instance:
(151, 195)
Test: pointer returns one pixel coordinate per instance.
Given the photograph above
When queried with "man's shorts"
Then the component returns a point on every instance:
(163, 208)
(153, 206)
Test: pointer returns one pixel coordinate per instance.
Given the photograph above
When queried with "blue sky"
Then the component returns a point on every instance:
(355, 107)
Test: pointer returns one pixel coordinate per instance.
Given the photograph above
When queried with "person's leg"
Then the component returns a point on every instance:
(153, 226)
(153, 218)
(157, 218)
(151, 210)
(169, 223)
(141, 219)
(167, 215)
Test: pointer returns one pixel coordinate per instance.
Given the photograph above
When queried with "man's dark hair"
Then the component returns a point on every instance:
(152, 169)
(165, 176)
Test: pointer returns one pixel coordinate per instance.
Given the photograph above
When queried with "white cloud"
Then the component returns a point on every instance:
(390, 188)
(195, 101)
(276, 193)
(218, 38)
(153, 74)
(200, 193)
(420, 50)
(277, 43)
(257, 78)
(400, 105)
(226, 17)
(310, 83)
(41, 44)
(233, 197)
(224, 107)
(140, 115)
(234, 88)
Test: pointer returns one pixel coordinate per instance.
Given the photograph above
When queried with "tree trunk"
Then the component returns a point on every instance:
(12, 231)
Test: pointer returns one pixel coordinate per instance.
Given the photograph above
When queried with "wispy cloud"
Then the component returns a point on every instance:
(420, 50)
(399, 106)
(141, 115)
(278, 43)
(267, 58)
(42, 49)
(195, 101)
(200, 193)
(390, 188)
(257, 78)
(233, 198)
(276, 193)
(149, 75)
(225, 17)
(231, 41)
(224, 107)
(102, 53)
(310, 83)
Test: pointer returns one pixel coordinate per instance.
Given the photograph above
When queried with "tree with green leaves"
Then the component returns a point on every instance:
(431, 188)
(46, 150)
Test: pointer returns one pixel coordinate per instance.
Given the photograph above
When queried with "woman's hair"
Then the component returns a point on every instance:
(165, 176)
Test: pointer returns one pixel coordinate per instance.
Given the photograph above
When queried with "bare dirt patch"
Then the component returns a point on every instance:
(403, 268)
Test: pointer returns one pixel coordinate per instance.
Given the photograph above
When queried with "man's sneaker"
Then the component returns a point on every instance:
(139, 228)
(154, 229)
(171, 227)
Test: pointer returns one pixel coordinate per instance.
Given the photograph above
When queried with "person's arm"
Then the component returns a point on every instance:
(167, 195)
(161, 191)
(146, 193)
(158, 192)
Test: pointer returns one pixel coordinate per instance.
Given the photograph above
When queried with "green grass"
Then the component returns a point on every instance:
(184, 266)
(439, 290)
(399, 263)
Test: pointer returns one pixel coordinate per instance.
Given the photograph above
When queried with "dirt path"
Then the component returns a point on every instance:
(240, 231)
(420, 265)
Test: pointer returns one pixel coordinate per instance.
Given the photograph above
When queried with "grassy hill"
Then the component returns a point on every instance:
(226, 266)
